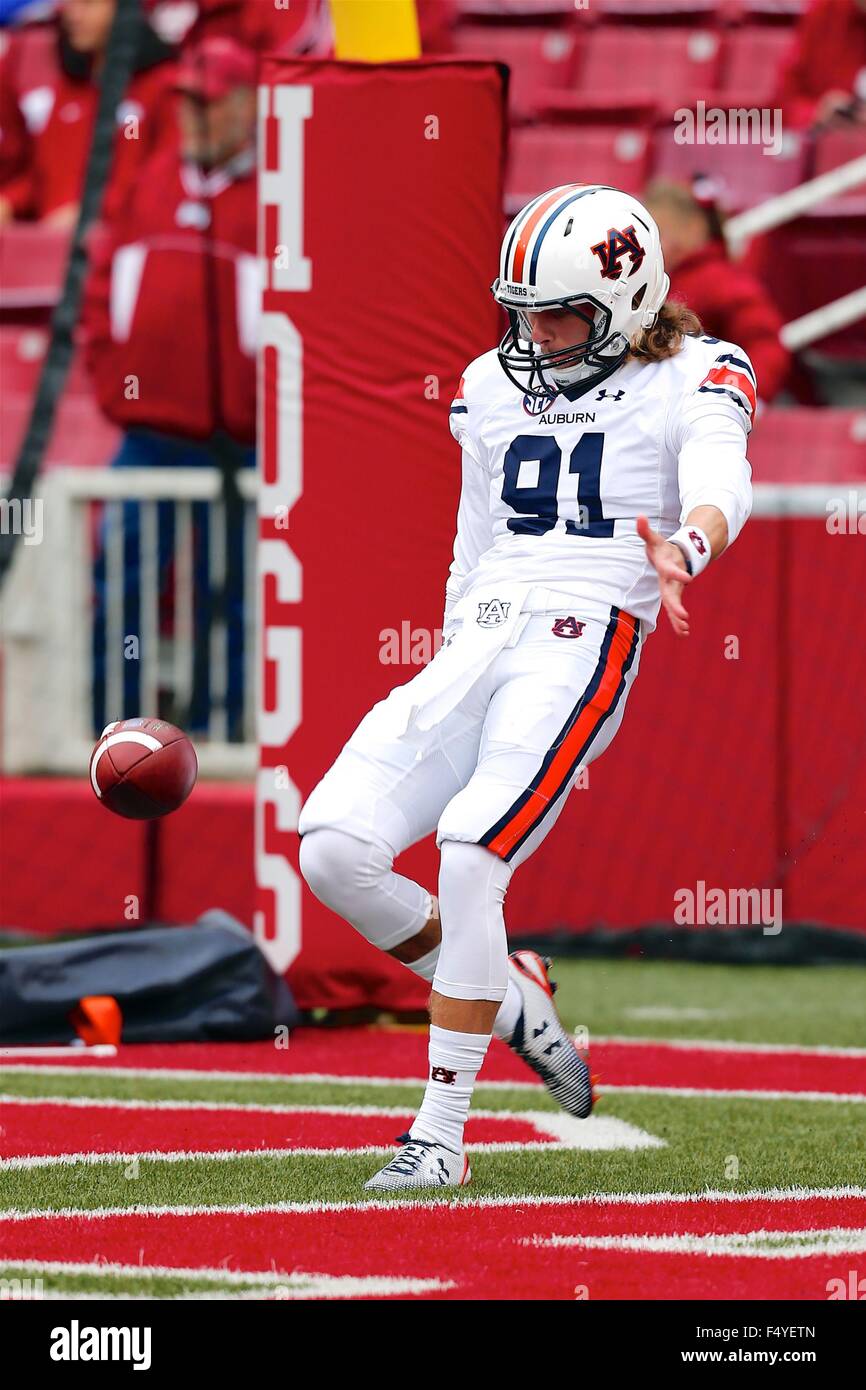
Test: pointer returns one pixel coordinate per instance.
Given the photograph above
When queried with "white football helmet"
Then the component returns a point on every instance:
(590, 249)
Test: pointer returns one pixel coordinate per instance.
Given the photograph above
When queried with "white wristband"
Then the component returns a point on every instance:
(695, 545)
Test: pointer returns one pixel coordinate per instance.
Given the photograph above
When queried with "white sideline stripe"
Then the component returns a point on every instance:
(770, 1194)
(69, 1050)
(711, 1093)
(687, 1092)
(297, 1284)
(717, 1045)
(763, 1245)
(236, 1106)
(596, 1134)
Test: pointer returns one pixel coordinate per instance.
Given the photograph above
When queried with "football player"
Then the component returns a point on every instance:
(603, 468)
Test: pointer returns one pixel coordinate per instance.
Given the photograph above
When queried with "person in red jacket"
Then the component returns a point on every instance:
(46, 182)
(169, 329)
(730, 302)
(824, 76)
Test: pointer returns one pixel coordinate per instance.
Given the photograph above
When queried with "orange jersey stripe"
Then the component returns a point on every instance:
(584, 726)
(728, 376)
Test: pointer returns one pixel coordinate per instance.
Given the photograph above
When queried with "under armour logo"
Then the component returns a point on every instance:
(493, 613)
(602, 395)
(448, 1078)
(567, 627)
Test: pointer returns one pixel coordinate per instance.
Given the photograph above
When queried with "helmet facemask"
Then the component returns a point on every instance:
(543, 374)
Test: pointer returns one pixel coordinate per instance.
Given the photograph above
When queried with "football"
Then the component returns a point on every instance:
(143, 768)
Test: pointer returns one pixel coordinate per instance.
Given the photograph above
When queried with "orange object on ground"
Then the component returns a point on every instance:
(97, 1019)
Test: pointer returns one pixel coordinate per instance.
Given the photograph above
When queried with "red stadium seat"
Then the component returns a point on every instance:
(82, 437)
(32, 266)
(543, 156)
(751, 61)
(21, 352)
(633, 66)
(540, 59)
(745, 175)
(657, 11)
(515, 9)
(778, 11)
(809, 446)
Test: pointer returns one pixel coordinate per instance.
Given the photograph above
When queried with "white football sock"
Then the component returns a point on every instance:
(455, 1060)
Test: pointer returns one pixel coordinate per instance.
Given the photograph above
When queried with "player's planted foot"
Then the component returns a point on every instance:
(421, 1164)
(540, 1039)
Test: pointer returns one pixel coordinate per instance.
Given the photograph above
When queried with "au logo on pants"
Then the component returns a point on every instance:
(493, 613)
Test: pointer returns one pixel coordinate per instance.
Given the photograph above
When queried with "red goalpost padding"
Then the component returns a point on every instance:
(380, 222)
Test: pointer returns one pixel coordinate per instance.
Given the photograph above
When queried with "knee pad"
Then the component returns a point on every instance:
(355, 879)
(473, 959)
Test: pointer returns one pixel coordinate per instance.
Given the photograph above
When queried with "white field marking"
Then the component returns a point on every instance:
(604, 1132)
(240, 1106)
(763, 1245)
(329, 1287)
(709, 1093)
(770, 1194)
(596, 1134)
(716, 1045)
(70, 1050)
(687, 1092)
(296, 1283)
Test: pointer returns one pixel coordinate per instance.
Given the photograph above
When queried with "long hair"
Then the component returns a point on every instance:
(674, 322)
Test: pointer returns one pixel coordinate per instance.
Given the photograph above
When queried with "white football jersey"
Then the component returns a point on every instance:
(551, 492)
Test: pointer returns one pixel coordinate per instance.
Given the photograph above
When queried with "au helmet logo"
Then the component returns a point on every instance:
(493, 613)
(619, 244)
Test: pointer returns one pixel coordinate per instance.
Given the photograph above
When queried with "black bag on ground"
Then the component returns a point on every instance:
(203, 983)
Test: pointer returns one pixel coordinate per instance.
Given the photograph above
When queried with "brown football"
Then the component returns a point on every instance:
(142, 768)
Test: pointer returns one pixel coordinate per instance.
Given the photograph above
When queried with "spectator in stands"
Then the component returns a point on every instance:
(824, 78)
(46, 178)
(170, 321)
(728, 300)
(303, 26)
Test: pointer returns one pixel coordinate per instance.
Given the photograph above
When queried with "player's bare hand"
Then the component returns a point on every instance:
(667, 560)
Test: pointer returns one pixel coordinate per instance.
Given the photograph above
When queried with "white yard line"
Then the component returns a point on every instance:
(289, 1285)
(598, 1134)
(687, 1092)
(764, 1245)
(727, 1045)
(714, 1093)
(771, 1194)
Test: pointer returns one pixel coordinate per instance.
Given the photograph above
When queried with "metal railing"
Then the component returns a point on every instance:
(819, 323)
(124, 599)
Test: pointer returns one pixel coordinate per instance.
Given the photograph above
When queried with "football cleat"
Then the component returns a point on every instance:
(540, 1039)
(421, 1163)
